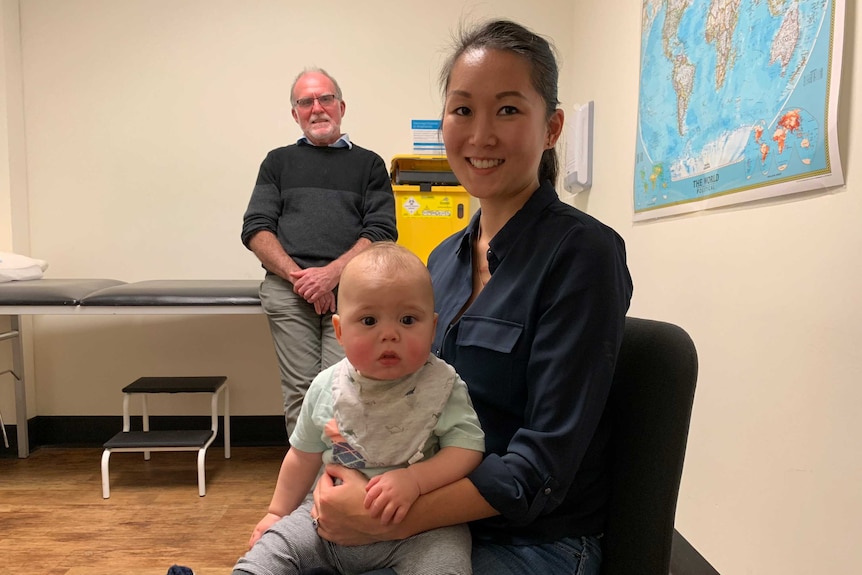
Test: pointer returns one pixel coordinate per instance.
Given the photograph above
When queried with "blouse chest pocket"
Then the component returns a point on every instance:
(490, 363)
(489, 333)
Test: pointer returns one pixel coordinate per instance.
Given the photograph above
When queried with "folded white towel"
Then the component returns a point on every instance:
(18, 267)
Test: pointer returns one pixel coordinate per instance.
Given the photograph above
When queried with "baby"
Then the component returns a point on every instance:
(390, 409)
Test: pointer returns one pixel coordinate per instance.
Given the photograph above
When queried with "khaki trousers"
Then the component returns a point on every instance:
(304, 342)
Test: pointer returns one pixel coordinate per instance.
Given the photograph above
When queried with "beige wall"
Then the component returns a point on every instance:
(6, 381)
(771, 295)
(14, 231)
(145, 124)
(146, 121)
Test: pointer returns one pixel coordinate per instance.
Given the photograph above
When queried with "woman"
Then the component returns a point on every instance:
(531, 298)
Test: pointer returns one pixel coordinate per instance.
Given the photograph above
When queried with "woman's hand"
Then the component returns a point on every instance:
(340, 509)
(268, 520)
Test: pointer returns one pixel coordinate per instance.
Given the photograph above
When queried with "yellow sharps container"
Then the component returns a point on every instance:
(430, 205)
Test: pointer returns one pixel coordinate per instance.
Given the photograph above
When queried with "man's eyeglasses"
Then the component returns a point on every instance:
(325, 100)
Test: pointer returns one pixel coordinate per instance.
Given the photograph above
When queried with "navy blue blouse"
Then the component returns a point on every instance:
(537, 349)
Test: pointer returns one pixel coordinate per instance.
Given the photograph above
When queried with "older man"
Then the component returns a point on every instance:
(316, 204)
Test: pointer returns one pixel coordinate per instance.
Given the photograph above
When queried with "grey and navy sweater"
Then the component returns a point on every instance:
(319, 201)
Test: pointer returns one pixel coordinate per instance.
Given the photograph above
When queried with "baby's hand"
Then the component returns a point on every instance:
(268, 521)
(332, 432)
(389, 496)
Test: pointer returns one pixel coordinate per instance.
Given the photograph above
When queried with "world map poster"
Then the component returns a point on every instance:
(738, 101)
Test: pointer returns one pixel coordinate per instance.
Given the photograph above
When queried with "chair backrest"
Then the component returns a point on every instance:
(650, 409)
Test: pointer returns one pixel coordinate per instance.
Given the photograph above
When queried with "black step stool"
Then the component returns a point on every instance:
(171, 440)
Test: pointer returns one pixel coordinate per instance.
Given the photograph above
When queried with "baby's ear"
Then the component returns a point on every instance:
(336, 323)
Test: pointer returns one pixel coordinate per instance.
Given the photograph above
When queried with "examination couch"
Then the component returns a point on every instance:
(111, 297)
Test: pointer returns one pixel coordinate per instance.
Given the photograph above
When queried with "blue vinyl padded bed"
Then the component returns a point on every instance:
(111, 297)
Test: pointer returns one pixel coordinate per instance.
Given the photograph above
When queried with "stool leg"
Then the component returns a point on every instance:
(127, 419)
(202, 488)
(106, 475)
(145, 415)
(227, 423)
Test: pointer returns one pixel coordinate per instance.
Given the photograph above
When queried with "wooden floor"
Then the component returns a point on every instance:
(53, 520)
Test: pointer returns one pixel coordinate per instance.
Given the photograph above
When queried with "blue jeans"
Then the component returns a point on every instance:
(569, 556)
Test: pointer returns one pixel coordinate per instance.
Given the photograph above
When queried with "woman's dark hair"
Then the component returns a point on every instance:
(536, 50)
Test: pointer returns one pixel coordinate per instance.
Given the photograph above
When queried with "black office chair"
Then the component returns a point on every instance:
(650, 407)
